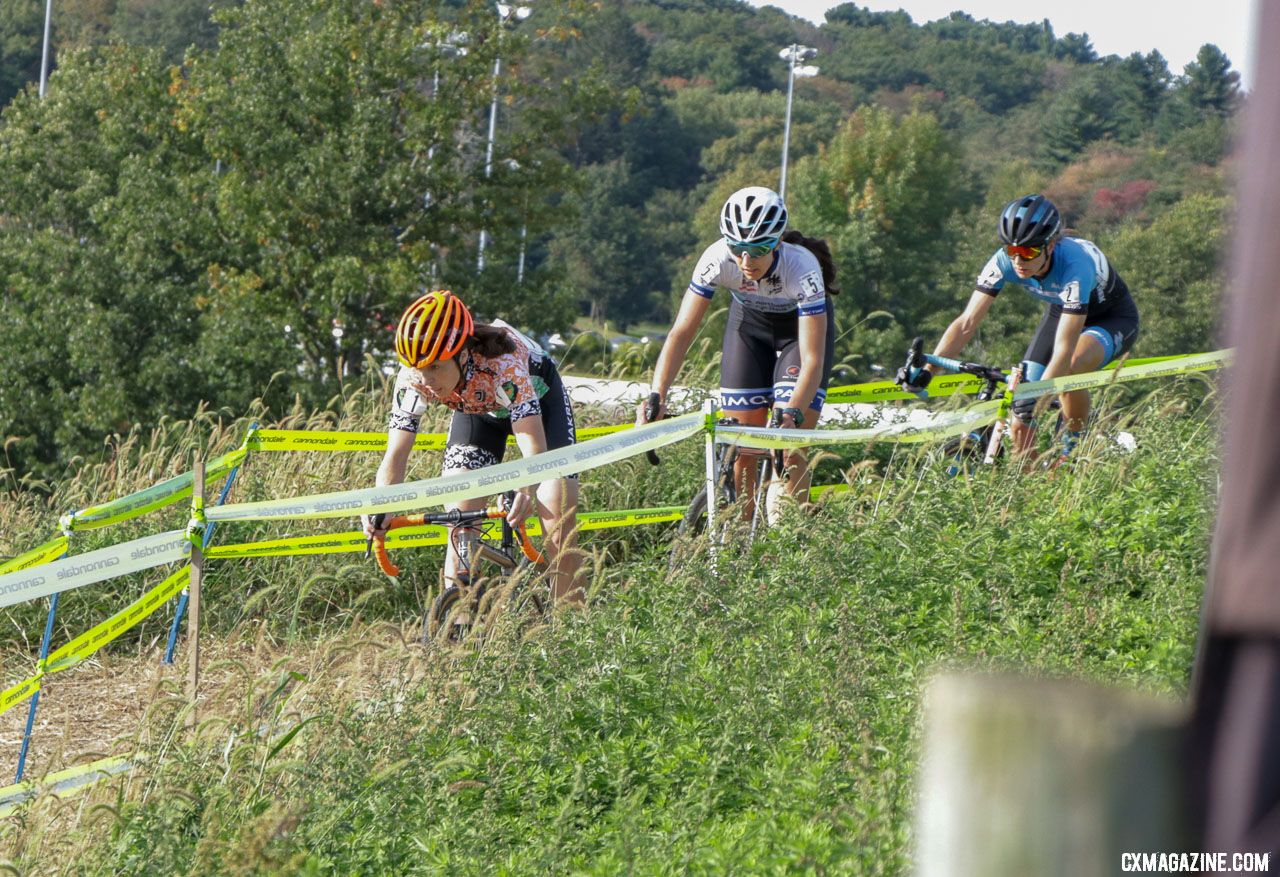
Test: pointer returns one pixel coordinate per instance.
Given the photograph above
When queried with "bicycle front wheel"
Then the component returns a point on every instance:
(451, 615)
(694, 523)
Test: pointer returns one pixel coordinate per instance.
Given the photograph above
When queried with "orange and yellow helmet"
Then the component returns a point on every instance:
(433, 328)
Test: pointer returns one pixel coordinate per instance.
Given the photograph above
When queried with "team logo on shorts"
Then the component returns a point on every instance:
(793, 371)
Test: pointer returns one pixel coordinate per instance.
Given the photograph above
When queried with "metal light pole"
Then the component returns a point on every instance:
(44, 55)
(791, 54)
(506, 14)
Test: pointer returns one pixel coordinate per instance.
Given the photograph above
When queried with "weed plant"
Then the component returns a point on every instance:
(759, 717)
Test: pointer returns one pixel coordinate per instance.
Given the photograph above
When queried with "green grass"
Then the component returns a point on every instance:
(763, 719)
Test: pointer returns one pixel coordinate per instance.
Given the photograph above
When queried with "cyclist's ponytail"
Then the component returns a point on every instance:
(490, 341)
(822, 252)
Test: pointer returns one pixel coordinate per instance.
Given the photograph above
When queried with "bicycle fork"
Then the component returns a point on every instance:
(1002, 417)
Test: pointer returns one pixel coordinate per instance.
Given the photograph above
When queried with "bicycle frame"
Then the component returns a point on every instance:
(504, 556)
(770, 467)
(992, 376)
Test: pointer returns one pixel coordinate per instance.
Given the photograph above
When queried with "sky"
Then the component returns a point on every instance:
(1115, 27)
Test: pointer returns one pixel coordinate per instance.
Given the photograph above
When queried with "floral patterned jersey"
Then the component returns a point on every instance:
(501, 386)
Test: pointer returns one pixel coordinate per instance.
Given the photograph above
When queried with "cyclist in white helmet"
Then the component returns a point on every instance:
(780, 340)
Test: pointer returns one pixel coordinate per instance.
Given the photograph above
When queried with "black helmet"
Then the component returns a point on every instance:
(1029, 221)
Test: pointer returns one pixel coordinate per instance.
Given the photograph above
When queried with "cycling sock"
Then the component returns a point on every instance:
(1069, 441)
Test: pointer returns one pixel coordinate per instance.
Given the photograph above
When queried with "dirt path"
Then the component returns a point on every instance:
(123, 704)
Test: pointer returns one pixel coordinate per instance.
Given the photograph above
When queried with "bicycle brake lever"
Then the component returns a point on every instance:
(651, 407)
(377, 521)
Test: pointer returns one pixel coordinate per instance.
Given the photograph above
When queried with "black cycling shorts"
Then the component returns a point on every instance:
(1115, 329)
(760, 360)
(479, 440)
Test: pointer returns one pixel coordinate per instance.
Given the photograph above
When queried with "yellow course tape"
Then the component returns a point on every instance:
(321, 440)
(49, 551)
(942, 385)
(155, 497)
(951, 423)
(427, 535)
(98, 636)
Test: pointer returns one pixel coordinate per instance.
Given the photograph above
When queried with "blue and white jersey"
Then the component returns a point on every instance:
(793, 282)
(1080, 278)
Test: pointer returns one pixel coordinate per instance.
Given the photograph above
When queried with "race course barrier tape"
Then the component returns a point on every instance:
(49, 551)
(945, 425)
(94, 566)
(942, 385)
(64, 783)
(428, 535)
(98, 636)
(1177, 365)
(557, 463)
(155, 497)
(323, 440)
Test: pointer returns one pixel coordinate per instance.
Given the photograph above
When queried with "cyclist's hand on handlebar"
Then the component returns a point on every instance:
(651, 409)
(913, 380)
(373, 525)
(519, 507)
(788, 418)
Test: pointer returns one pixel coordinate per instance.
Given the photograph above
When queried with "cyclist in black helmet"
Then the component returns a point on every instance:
(1089, 319)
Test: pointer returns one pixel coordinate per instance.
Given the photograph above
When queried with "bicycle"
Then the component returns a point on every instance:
(461, 605)
(987, 440)
(769, 471)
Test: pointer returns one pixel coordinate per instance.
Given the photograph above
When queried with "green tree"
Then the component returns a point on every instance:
(1210, 85)
(99, 254)
(1174, 268)
(255, 221)
(1088, 110)
(168, 25)
(347, 180)
(883, 193)
(21, 26)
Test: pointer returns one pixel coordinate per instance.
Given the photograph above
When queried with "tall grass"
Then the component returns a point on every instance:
(759, 718)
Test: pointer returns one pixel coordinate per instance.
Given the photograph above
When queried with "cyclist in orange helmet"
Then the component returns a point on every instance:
(498, 382)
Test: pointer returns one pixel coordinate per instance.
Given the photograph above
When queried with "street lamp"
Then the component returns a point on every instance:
(44, 53)
(793, 54)
(507, 13)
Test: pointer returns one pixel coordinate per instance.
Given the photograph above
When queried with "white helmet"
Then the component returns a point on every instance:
(753, 214)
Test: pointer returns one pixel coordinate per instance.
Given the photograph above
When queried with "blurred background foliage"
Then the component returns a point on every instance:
(231, 202)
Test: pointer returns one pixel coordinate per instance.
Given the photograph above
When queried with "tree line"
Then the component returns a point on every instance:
(221, 203)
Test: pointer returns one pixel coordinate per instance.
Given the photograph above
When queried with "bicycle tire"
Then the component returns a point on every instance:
(961, 454)
(694, 524)
(442, 621)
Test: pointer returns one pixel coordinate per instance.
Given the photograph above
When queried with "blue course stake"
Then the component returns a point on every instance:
(208, 534)
(35, 698)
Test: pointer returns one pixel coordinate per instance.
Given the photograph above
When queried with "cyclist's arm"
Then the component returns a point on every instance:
(396, 460)
(1064, 345)
(692, 309)
(531, 438)
(391, 471)
(963, 327)
(813, 342)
